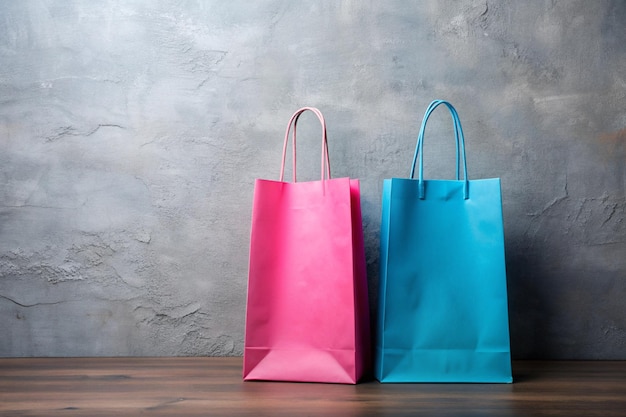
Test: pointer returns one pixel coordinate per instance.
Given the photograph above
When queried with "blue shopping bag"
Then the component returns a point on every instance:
(443, 311)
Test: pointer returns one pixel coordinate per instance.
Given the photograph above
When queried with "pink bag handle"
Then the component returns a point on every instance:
(294, 121)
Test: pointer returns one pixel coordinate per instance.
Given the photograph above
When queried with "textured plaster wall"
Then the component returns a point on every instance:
(131, 133)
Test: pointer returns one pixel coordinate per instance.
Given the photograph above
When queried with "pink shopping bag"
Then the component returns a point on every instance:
(307, 316)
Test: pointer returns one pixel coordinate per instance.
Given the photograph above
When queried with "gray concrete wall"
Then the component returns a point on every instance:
(131, 133)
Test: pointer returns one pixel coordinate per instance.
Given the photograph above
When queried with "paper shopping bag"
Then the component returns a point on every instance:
(307, 316)
(443, 313)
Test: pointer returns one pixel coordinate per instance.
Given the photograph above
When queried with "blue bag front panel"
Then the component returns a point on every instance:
(443, 313)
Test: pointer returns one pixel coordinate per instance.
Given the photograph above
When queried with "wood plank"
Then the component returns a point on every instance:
(213, 386)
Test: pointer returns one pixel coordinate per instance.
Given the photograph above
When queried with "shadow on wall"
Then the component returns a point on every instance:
(530, 307)
(561, 297)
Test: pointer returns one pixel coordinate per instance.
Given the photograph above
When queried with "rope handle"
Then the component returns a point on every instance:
(325, 162)
(460, 148)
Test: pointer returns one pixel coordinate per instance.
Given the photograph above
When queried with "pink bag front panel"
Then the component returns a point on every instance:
(307, 271)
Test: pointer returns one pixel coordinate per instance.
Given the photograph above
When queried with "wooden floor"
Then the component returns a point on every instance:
(213, 387)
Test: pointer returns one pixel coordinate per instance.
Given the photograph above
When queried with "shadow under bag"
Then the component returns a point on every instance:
(307, 316)
(443, 311)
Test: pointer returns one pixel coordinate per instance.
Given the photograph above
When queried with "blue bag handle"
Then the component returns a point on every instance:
(460, 148)
(429, 110)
